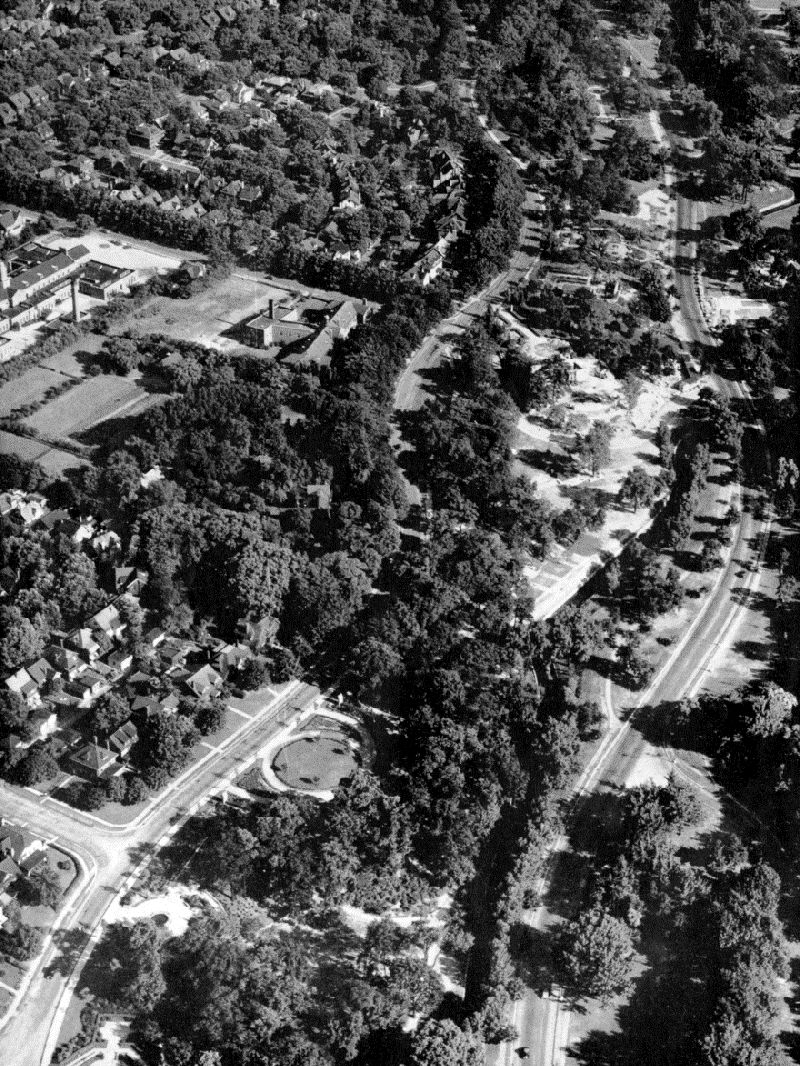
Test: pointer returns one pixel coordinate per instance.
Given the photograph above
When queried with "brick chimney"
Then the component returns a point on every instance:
(5, 274)
(271, 306)
(73, 286)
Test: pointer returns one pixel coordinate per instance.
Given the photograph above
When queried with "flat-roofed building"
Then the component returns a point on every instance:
(101, 281)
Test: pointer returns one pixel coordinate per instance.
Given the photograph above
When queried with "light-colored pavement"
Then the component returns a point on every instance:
(109, 855)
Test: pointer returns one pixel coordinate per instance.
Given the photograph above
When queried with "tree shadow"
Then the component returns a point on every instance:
(69, 944)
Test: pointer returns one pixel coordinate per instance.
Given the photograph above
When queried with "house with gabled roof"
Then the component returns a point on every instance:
(108, 621)
(122, 740)
(66, 661)
(83, 642)
(87, 687)
(9, 871)
(42, 671)
(21, 683)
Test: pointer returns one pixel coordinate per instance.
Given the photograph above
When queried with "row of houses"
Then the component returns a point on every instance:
(79, 667)
(449, 208)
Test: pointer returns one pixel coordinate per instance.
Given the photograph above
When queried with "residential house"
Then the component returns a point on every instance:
(232, 658)
(20, 101)
(242, 93)
(319, 495)
(37, 95)
(87, 687)
(249, 197)
(27, 507)
(427, 267)
(23, 685)
(122, 740)
(54, 519)
(108, 621)
(174, 652)
(146, 135)
(67, 662)
(83, 642)
(120, 577)
(204, 682)
(12, 223)
(120, 661)
(348, 195)
(12, 842)
(42, 672)
(146, 705)
(193, 211)
(93, 761)
(43, 723)
(9, 871)
(33, 860)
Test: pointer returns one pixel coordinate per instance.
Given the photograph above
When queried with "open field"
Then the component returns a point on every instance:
(29, 388)
(211, 316)
(315, 762)
(93, 401)
(54, 461)
(73, 360)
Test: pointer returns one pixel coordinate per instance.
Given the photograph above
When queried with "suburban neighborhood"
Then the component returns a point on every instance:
(399, 499)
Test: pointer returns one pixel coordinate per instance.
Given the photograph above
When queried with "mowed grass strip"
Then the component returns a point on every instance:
(93, 401)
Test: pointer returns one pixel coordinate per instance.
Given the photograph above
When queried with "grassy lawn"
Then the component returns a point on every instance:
(94, 400)
(315, 762)
(29, 388)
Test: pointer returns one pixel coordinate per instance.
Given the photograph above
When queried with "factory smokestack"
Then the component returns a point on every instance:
(76, 315)
(5, 274)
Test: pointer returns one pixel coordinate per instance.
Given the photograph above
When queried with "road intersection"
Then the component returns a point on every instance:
(110, 857)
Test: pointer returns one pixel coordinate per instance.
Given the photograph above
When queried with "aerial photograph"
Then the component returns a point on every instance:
(399, 532)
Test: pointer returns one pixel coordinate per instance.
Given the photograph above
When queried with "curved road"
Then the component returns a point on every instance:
(109, 855)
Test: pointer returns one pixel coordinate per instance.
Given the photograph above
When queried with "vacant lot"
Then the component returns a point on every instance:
(210, 317)
(94, 400)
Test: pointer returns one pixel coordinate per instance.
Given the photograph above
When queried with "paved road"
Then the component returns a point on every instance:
(541, 1021)
(109, 855)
